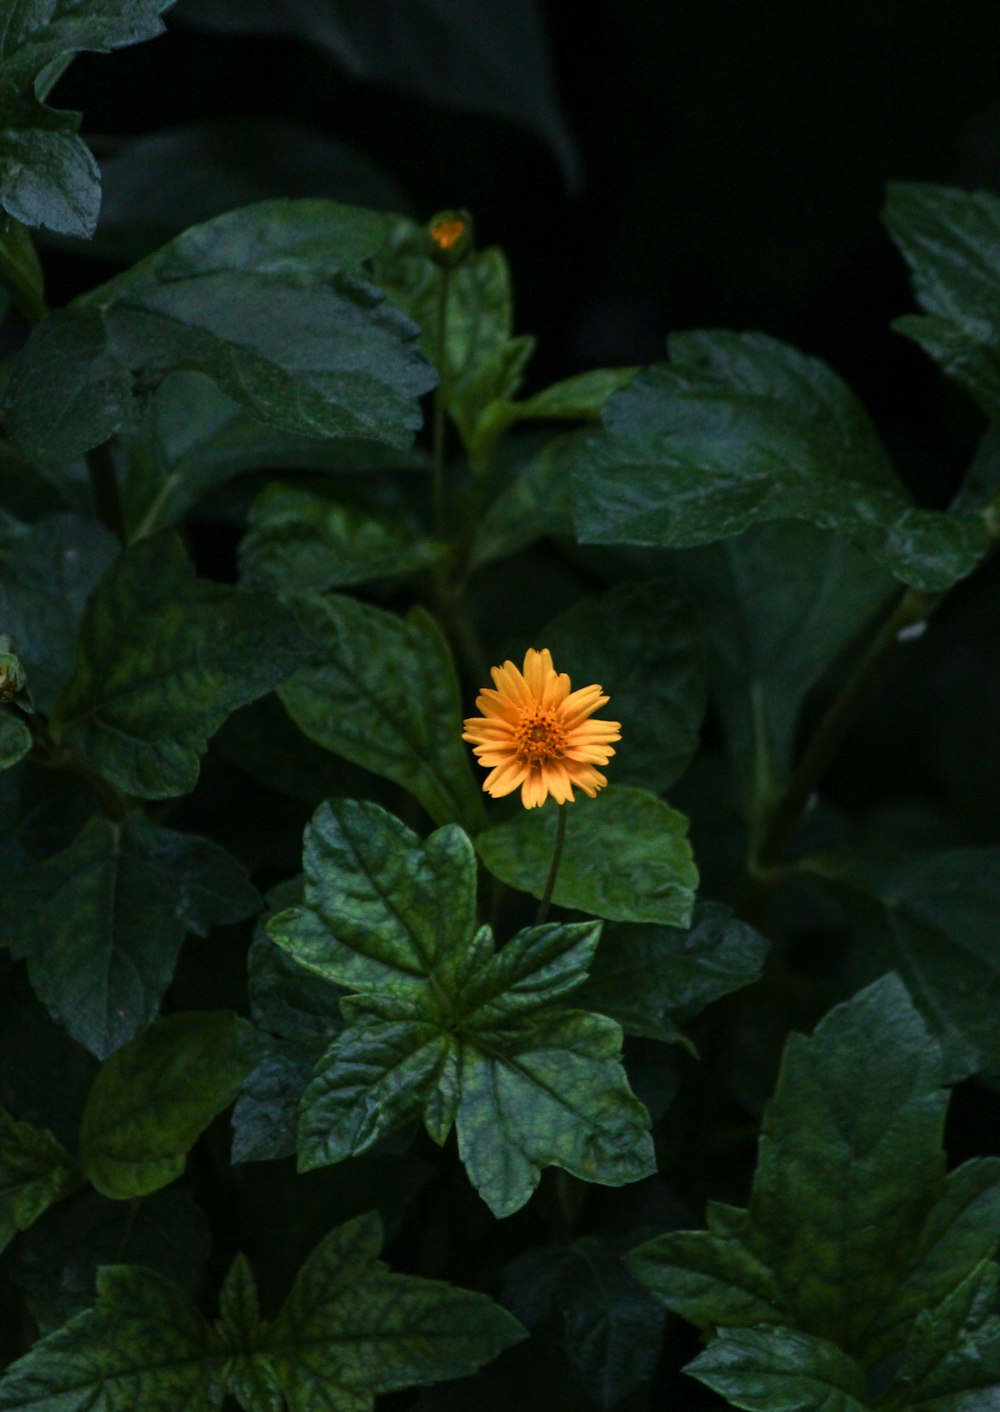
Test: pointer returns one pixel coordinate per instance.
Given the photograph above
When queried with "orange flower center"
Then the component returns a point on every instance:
(541, 736)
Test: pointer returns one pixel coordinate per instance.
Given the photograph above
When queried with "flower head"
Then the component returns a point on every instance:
(536, 732)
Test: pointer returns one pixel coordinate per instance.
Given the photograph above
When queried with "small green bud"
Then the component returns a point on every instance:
(449, 238)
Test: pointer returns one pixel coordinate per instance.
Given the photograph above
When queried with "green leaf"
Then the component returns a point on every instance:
(739, 429)
(626, 857)
(44, 1075)
(951, 241)
(157, 184)
(536, 503)
(67, 391)
(383, 694)
(492, 62)
(851, 1227)
(443, 1029)
(143, 1344)
(952, 1360)
(651, 978)
(48, 177)
(35, 1171)
(162, 659)
(349, 1329)
(612, 1328)
(101, 923)
(932, 918)
(190, 437)
(56, 1262)
(301, 541)
(482, 362)
(781, 1370)
(15, 739)
(780, 604)
(270, 303)
(20, 270)
(578, 398)
(152, 1099)
(48, 575)
(644, 644)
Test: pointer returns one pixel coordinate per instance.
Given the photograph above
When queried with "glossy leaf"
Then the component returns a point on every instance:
(626, 857)
(739, 429)
(152, 1099)
(644, 644)
(442, 1028)
(35, 1170)
(932, 918)
(383, 694)
(781, 1370)
(101, 923)
(951, 241)
(612, 1328)
(301, 541)
(851, 1225)
(48, 575)
(163, 658)
(48, 177)
(952, 1360)
(504, 70)
(652, 978)
(780, 604)
(536, 503)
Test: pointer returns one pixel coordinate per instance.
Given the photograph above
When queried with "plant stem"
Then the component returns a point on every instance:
(440, 400)
(557, 852)
(104, 489)
(913, 608)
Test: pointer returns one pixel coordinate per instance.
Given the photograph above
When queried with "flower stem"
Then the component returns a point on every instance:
(440, 401)
(557, 852)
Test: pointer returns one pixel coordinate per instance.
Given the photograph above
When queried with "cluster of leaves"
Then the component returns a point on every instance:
(721, 532)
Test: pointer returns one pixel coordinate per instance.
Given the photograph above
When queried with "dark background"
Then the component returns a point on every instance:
(733, 160)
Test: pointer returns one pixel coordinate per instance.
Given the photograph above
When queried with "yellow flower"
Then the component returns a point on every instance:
(535, 732)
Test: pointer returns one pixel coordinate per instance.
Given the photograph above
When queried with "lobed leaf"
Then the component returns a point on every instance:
(35, 1171)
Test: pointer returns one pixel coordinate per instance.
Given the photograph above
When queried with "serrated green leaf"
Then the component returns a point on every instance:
(443, 1028)
(67, 391)
(143, 1343)
(56, 1262)
(383, 694)
(15, 739)
(951, 241)
(626, 857)
(162, 659)
(48, 575)
(850, 1219)
(190, 437)
(549, 1091)
(48, 177)
(643, 641)
(152, 1099)
(504, 69)
(482, 362)
(350, 1329)
(100, 923)
(612, 1329)
(781, 1370)
(933, 919)
(739, 429)
(35, 1171)
(270, 303)
(301, 541)
(651, 978)
(952, 1360)
(780, 604)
